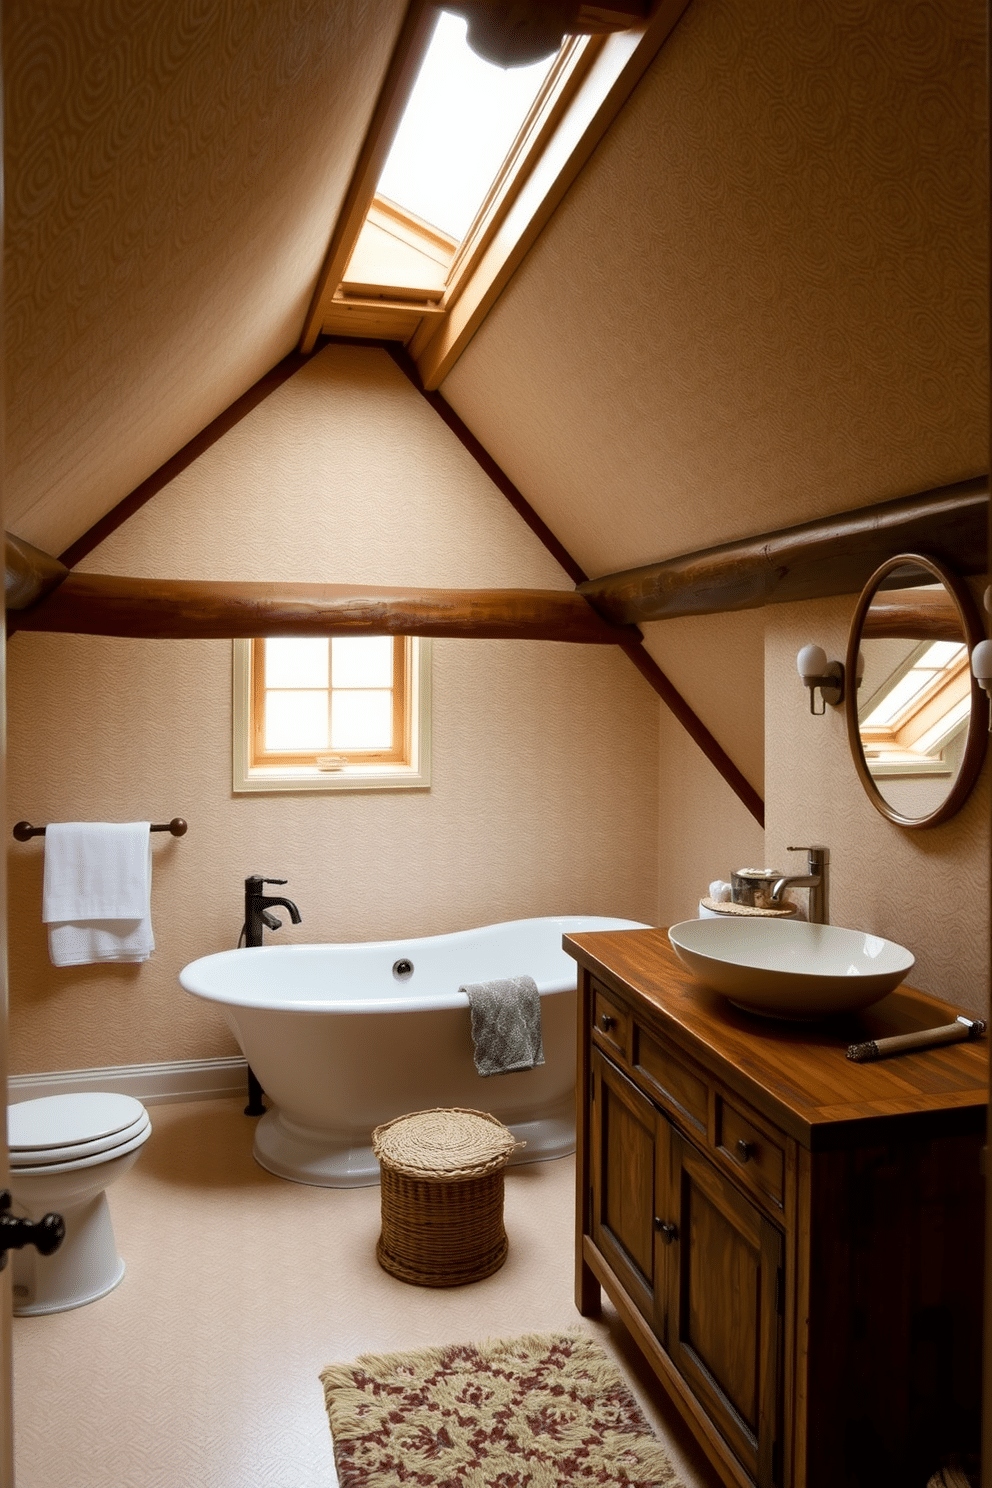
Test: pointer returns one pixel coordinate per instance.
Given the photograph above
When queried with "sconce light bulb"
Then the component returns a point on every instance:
(981, 665)
(811, 662)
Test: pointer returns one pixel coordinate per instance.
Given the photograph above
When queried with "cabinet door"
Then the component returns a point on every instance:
(627, 1172)
(723, 1306)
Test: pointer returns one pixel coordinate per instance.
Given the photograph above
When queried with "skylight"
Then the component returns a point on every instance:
(919, 711)
(936, 664)
(460, 122)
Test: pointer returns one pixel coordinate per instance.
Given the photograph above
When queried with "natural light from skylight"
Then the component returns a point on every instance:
(936, 662)
(458, 127)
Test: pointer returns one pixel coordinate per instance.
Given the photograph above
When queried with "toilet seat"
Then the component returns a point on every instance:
(70, 1164)
(77, 1130)
(77, 1154)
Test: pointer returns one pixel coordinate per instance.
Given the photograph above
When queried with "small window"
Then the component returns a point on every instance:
(331, 713)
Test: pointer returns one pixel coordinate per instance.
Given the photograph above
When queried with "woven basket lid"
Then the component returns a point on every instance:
(445, 1143)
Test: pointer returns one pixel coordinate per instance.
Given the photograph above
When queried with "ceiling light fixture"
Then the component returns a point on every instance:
(517, 33)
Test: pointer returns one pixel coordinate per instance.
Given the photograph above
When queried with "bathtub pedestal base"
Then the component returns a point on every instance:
(346, 1160)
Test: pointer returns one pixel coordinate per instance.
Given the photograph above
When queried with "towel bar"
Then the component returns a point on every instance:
(24, 830)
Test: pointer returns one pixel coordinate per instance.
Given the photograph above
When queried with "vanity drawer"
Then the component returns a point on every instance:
(750, 1151)
(610, 1019)
(668, 1076)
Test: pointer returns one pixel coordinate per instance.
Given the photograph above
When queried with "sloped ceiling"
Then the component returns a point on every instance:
(764, 299)
(173, 173)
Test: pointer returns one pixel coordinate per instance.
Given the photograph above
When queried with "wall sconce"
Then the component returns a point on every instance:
(981, 667)
(817, 672)
(981, 660)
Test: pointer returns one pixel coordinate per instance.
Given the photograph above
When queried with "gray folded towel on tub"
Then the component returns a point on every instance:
(506, 1024)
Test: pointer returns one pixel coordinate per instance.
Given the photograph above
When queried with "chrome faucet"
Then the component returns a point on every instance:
(257, 906)
(257, 919)
(814, 879)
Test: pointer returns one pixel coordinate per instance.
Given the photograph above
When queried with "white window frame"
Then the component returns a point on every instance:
(415, 775)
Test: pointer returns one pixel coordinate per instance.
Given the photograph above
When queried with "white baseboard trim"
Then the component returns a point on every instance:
(152, 1084)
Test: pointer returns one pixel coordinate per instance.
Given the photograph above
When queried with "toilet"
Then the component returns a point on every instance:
(65, 1151)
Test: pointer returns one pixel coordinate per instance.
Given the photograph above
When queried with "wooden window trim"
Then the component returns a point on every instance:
(406, 767)
(398, 754)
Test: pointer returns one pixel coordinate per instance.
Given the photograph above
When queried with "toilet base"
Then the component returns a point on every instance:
(85, 1267)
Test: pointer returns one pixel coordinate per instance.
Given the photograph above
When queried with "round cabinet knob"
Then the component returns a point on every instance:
(606, 1022)
(666, 1230)
(745, 1150)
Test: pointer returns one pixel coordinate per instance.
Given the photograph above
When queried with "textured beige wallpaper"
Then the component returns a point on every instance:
(717, 663)
(703, 830)
(172, 176)
(928, 890)
(545, 756)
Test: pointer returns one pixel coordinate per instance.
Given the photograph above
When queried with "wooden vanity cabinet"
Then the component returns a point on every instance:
(795, 1241)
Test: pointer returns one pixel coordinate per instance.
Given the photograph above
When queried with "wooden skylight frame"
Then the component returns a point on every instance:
(585, 88)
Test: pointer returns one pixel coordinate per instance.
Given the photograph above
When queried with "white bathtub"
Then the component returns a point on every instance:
(341, 1040)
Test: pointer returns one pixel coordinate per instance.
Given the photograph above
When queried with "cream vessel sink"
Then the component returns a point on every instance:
(789, 969)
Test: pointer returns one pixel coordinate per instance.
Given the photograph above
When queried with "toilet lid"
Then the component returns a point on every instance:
(68, 1162)
(72, 1152)
(71, 1121)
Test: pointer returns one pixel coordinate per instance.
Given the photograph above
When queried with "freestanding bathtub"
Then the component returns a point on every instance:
(343, 1037)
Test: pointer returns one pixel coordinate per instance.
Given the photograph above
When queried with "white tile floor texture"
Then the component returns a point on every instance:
(201, 1369)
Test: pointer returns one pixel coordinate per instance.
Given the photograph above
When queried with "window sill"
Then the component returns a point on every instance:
(352, 778)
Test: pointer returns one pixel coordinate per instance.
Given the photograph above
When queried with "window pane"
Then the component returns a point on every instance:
(461, 119)
(898, 698)
(362, 661)
(295, 661)
(296, 720)
(941, 654)
(362, 720)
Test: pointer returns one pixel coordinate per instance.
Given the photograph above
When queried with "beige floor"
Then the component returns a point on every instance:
(200, 1370)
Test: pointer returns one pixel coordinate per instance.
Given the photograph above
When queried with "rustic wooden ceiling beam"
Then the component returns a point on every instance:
(180, 609)
(29, 574)
(834, 555)
(913, 615)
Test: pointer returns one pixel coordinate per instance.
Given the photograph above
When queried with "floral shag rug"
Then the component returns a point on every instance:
(549, 1410)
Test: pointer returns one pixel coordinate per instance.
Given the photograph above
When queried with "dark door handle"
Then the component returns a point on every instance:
(666, 1230)
(606, 1022)
(46, 1234)
(745, 1150)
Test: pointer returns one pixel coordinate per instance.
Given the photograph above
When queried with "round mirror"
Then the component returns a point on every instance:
(916, 719)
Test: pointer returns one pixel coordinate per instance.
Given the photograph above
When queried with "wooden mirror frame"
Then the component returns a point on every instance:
(975, 745)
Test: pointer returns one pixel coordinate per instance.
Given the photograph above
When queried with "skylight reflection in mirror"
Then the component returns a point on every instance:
(937, 663)
(460, 122)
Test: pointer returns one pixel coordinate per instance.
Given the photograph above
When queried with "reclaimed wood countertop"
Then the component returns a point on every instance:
(798, 1074)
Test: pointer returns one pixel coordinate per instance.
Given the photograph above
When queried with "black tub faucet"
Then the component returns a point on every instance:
(257, 905)
(257, 919)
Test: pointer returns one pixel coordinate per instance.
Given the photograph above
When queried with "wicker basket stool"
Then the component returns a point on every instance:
(442, 1196)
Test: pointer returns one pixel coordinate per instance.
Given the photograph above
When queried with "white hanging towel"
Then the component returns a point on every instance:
(97, 894)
